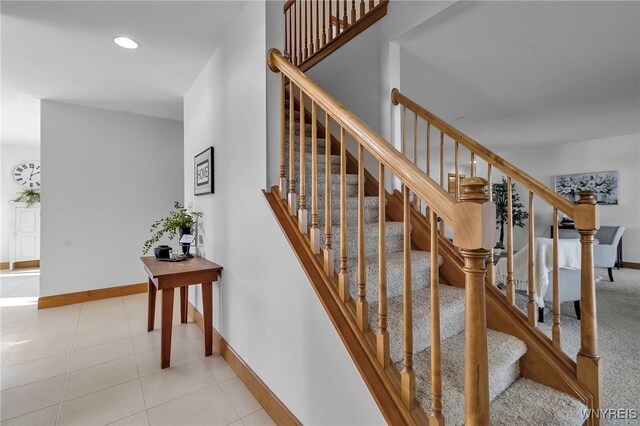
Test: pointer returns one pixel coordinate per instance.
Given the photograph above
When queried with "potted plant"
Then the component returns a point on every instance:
(497, 250)
(518, 216)
(29, 196)
(179, 221)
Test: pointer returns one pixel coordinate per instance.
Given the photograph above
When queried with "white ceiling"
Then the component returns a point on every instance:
(64, 51)
(510, 73)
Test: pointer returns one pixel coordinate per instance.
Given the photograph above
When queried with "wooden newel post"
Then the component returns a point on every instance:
(587, 221)
(474, 234)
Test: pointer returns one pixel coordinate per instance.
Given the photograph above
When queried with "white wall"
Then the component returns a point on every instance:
(265, 306)
(621, 153)
(11, 154)
(106, 176)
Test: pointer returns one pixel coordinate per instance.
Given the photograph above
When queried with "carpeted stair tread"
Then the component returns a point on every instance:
(297, 127)
(350, 179)
(307, 140)
(393, 239)
(530, 403)
(451, 317)
(504, 353)
(335, 159)
(420, 273)
(351, 184)
(370, 210)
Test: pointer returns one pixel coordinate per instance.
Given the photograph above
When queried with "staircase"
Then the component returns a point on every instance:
(314, 28)
(402, 297)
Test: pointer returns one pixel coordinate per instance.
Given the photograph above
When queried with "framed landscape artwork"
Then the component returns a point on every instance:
(604, 184)
(203, 172)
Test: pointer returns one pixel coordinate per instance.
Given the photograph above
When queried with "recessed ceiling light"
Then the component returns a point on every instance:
(125, 42)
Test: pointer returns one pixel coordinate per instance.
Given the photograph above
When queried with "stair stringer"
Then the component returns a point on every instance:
(385, 393)
(542, 363)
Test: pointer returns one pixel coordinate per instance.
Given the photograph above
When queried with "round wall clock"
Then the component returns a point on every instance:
(27, 174)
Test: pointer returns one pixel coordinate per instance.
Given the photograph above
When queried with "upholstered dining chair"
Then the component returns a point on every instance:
(605, 253)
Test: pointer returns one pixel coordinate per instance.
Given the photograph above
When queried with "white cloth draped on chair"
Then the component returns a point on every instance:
(568, 257)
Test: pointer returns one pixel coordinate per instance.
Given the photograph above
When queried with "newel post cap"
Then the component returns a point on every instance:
(586, 213)
(474, 216)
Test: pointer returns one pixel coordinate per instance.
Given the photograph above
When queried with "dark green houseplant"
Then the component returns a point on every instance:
(500, 199)
(29, 196)
(179, 221)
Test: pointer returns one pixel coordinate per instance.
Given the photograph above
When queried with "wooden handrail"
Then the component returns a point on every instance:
(288, 5)
(425, 187)
(490, 157)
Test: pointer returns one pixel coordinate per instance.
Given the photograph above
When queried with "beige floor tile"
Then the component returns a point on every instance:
(149, 362)
(100, 377)
(236, 423)
(153, 340)
(139, 419)
(99, 354)
(33, 371)
(45, 417)
(42, 317)
(13, 326)
(22, 315)
(97, 324)
(8, 339)
(113, 304)
(24, 351)
(6, 344)
(218, 368)
(44, 334)
(174, 382)
(188, 331)
(135, 302)
(103, 407)
(28, 398)
(138, 323)
(241, 399)
(259, 418)
(204, 407)
(47, 323)
(99, 337)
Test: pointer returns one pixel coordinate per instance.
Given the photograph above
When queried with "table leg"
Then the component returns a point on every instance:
(151, 311)
(184, 292)
(167, 324)
(207, 303)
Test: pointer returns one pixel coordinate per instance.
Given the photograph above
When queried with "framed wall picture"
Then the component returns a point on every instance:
(203, 172)
(604, 184)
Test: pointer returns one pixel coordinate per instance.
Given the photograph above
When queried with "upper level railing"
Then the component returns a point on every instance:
(315, 28)
(468, 213)
(426, 127)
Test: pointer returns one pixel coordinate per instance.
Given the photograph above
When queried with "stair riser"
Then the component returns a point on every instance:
(335, 169)
(335, 159)
(370, 215)
(420, 277)
(393, 242)
(307, 143)
(451, 323)
(296, 128)
(499, 381)
(352, 190)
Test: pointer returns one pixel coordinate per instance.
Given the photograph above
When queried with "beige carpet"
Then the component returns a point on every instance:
(618, 338)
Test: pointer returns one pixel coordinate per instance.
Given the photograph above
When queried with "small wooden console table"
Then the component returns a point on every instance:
(166, 276)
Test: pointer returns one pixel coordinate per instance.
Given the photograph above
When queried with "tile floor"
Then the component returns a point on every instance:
(95, 364)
